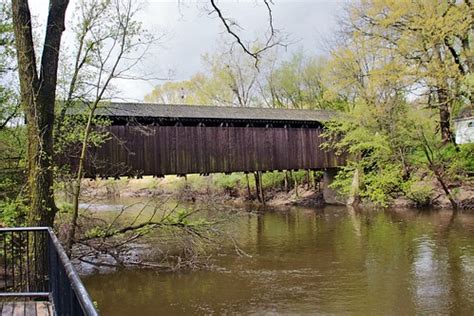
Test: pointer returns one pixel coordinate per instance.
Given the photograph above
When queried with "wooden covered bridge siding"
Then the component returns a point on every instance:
(163, 150)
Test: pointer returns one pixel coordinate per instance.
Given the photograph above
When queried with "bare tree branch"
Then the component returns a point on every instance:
(271, 41)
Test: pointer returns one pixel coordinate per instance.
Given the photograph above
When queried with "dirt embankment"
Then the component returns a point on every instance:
(182, 189)
(464, 196)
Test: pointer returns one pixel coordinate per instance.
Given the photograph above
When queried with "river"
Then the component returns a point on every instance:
(306, 261)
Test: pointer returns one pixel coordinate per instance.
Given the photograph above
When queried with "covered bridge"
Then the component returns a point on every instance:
(158, 139)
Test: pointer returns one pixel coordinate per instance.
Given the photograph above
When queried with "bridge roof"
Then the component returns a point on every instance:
(194, 112)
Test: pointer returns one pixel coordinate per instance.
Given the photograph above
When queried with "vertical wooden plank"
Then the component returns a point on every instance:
(256, 159)
(308, 146)
(293, 150)
(274, 149)
(242, 151)
(191, 149)
(287, 148)
(158, 149)
(155, 145)
(278, 148)
(250, 150)
(180, 146)
(263, 135)
(220, 162)
(107, 154)
(260, 141)
(268, 153)
(166, 150)
(201, 143)
(234, 155)
(312, 148)
(118, 148)
(196, 157)
(300, 148)
(121, 151)
(135, 145)
(228, 148)
(318, 150)
(173, 140)
(147, 151)
(208, 149)
(185, 147)
(233, 143)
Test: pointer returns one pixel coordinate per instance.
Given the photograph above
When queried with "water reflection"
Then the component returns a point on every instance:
(429, 277)
(331, 260)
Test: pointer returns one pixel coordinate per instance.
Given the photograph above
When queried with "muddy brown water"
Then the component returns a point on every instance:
(315, 261)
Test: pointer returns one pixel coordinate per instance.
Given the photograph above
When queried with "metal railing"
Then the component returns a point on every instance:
(33, 265)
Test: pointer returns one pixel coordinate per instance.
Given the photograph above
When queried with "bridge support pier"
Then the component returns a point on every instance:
(329, 194)
(259, 187)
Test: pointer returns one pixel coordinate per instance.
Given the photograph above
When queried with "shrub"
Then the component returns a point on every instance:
(420, 193)
(380, 186)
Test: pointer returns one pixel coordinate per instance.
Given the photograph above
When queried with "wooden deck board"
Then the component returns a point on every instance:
(30, 309)
(7, 309)
(26, 309)
(43, 309)
(19, 309)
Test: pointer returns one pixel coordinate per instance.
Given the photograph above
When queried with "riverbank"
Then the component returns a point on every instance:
(234, 189)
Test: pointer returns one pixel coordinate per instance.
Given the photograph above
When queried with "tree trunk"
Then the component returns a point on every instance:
(38, 95)
(444, 116)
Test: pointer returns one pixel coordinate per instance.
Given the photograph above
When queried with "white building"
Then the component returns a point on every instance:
(464, 127)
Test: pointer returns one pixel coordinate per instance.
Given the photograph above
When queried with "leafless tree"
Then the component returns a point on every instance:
(111, 42)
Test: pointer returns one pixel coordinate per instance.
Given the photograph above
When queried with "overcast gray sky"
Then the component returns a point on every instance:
(191, 31)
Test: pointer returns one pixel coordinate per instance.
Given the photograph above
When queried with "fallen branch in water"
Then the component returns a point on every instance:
(184, 238)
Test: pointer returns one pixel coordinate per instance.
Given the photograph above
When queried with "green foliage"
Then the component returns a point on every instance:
(70, 134)
(12, 147)
(389, 146)
(461, 163)
(9, 106)
(299, 83)
(419, 192)
(12, 203)
(379, 187)
(273, 179)
(73, 129)
(183, 92)
(95, 232)
(13, 212)
(343, 180)
(12, 177)
(229, 182)
(378, 142)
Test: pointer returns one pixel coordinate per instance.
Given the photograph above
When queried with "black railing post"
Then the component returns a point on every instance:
(41, 270)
